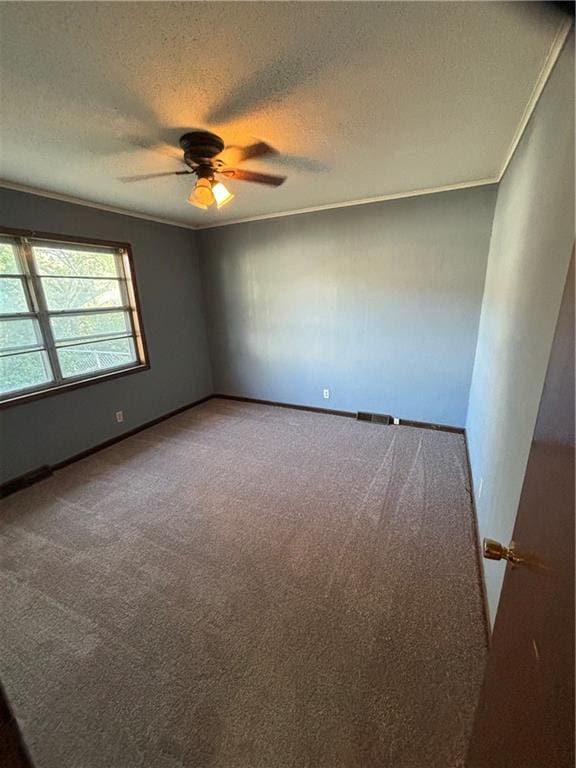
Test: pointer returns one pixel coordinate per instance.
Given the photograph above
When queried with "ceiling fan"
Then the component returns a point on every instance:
(201, 155)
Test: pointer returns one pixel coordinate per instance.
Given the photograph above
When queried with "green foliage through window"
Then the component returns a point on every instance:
(77, 323)
(8, 263)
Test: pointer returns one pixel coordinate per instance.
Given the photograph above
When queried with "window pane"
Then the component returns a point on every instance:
(92, 324)
(75, 293)
(8, 263)
(96, 356)
(67, 261)
(30, 369)
(12, 296)
(19, 333)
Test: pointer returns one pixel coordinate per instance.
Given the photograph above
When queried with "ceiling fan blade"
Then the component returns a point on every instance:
(233, 154)
(145, 176)
(259, 149)
(257, 178)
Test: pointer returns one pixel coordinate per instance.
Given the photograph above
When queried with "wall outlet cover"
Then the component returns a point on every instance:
(119, 416)
(326, 394)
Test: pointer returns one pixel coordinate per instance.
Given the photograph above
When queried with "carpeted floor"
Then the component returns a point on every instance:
(244, 586)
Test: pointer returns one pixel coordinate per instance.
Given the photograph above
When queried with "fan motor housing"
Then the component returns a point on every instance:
(200, 145)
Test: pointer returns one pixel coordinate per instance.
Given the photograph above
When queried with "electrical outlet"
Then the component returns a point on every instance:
(326, 394)
(395, 420)
(119, 416)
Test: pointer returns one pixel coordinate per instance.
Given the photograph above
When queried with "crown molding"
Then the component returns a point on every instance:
(545, 72)
(90, 204)
(353, 203)
(280, 214)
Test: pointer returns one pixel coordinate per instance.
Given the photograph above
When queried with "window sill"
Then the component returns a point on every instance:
(38, 394)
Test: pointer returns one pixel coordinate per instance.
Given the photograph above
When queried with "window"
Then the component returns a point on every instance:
(68, 314)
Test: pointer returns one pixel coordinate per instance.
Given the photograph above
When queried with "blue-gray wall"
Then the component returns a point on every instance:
(532, 239)
(380, 303)
(166, 265)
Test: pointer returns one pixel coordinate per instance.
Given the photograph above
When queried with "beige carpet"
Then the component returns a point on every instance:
(245, 586)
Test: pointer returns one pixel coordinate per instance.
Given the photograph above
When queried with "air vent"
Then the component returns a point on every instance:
(375, 418)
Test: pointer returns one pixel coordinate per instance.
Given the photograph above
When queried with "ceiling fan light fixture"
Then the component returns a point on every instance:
(221, 194)
(196, 204)
(201, 196)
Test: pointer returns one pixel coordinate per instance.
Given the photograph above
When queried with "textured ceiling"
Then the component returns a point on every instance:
(361, 99)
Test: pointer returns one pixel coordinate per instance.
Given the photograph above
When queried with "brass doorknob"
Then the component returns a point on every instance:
(493, 550)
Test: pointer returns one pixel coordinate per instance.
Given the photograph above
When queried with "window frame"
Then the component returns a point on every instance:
(38, 311)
